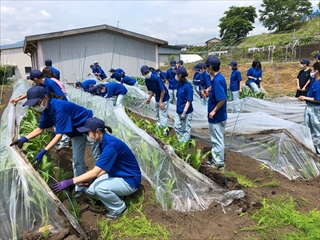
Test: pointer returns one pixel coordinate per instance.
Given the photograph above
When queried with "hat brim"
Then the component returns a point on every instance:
(29, 77)
(31, 102)
(83, 129)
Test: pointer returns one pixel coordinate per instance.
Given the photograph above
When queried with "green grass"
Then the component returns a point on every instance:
(242, 180)
(279, 219)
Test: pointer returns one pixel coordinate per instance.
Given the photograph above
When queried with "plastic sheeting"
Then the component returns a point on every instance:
(25, 203)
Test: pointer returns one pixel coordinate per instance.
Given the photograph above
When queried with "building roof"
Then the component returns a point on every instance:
(214, 38)
(30, 41)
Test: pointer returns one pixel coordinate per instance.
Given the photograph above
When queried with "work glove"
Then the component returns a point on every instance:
(183, 116)
(19, 142)
(255, 79)
(59, 186)
(39, 157)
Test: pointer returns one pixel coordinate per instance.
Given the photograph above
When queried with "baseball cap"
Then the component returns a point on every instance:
(180, 61)
(92, 124)
(34, 94)
(144, 69)
(317, 55)
(35, 74)
(305, 61)
(173, 63)
(182, 71)
(213, 61)
(96, 63)
(48, 61)
(233, 63)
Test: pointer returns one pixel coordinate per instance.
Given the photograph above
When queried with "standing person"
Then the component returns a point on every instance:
(312, 111)
(180, 64)
(56, 72)
(196, 78)
(303, 78)
(66, 117)
(173, 84)
(205, 84)
(156, 87)
(316, 59)
(162, 76)
(116, 173)
(235, 81)
(217, 111)
(85, 85)
(254, 75)
(129, 81)
(116, 91)
(182, 121)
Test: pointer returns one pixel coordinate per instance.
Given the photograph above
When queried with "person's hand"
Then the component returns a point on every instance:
(204, 94)
(59, 186)
(211, 114)
(298, 88)
(14, 100)
(301, 98)
(39, 157)
(161, 106)
(183, 116)
(19, 142)
(303, 89)
(147, 101)
(240, 90)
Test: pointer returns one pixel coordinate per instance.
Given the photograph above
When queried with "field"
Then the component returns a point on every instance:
(259, 184)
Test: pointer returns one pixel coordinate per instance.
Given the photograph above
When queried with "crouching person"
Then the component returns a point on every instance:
(116, 173)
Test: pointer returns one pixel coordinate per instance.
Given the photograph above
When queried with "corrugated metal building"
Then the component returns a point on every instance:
(73, 51)
(166, 51)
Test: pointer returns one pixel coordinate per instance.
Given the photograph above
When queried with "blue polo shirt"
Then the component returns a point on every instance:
(56, 72)
(118, 160)
(218, 92)
(115, 89)
(205, 80)
(196, 78)
(85, 84)
(118, 74)
(155, 85)
(53, 87)
(254, 72)
(184, 94)
(102, 74)
(314, 92)
(65, 116)
(162, 75)
(173, 83)
(128, 80)
(235, 78)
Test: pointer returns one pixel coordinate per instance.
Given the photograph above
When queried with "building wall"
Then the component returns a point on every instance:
(72, 55)
(16, 57)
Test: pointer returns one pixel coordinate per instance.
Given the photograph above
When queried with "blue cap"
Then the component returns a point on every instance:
(92, 124)
(48, 62)
(180, 61)
(34, 94)
(213, 61)
(144, 69)
(35, 74)
(112, 70)
(305, 61)
(173, 63)
(181, 71)
(317, 55)
(233, 63)
(201, 65)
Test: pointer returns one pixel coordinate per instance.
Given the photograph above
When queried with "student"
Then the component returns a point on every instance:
(156, 87)
(66, 117)
(162, 76)
(85, 84)
(116, 173)
(205, 84)
(312, 111)
(129, 81)
(56, 72)
(173, 84)
(316, 59)
(116, 91)
(303, 78)
(182, 121)
(179, 64)
(254, 75)
(217, 111)
(235, 81)
(99, 72)
(117, 74)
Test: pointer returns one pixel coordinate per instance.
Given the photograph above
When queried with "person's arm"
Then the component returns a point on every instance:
(298, 86)
(53, 142)
(240, 86)
(15, 100)
(95, 172)
(303, 98)
(186, 107)
(217, 107)
(306, 85)
(149, 98)
(161, 98)
(34, 133)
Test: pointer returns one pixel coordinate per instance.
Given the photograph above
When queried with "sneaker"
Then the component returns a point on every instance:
(77, 194)
(59, 147)
(215, 165)
(113, 217)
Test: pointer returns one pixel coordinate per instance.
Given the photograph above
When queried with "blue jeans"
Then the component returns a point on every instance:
(78, 151)
(162, 115)
(254, 87)
(183, 127)
(312, 120)
(172, 95)
(108, 190)
(217, 140)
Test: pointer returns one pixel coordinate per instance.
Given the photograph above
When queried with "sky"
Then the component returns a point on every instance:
(178, 22)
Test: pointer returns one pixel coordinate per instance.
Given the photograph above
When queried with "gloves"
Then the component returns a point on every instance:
(62, 185)
(39, 157)
(19, 142)
(255, 79)
(183, 116)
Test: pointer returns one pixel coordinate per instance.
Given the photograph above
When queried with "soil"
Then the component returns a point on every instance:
(211, 223)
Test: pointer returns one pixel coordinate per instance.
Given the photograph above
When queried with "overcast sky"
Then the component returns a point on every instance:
(178, 22)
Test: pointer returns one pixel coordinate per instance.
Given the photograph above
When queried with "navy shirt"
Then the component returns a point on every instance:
(314, 93)
(65, 116)
(155, 85)
(115, 89)
(218, 92)
(170, 76)
(101, 72)
(118, 160)
(304, 77)
(128, 80)
(196, 78)
(254, 72)
(118, 74)
(56, 72)
(235, 78)
(184, 94)
(85, 84)
(53, 87)
(205, 80)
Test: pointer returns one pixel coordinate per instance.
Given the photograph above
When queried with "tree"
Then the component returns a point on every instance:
(279, 14)
(319, 4)
(236, 24)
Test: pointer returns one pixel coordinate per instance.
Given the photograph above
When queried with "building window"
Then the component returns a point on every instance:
(27, 69)
(13, 72)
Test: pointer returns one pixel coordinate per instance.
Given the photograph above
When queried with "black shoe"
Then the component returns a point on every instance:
(77, 194)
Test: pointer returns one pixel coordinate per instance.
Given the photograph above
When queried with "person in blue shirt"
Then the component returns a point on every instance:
(129, 81)
(316, 59)
(99, 72)
(156, 87)
(179, 64)
(116, 91)
(56, 72)
(312, 111)
(86, 84)
(173, 84)
(254, 75)
(182, 121)
(162, 76)
(66, 117)
(235, 81)
(117, 74)
(205, 84)
(196, 78)
(217, 111)
(116, 173)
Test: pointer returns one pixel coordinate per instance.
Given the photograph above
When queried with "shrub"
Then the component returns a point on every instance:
(5, 73)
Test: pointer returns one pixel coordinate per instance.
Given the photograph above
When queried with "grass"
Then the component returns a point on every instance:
(242, 180)
(279, 219)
